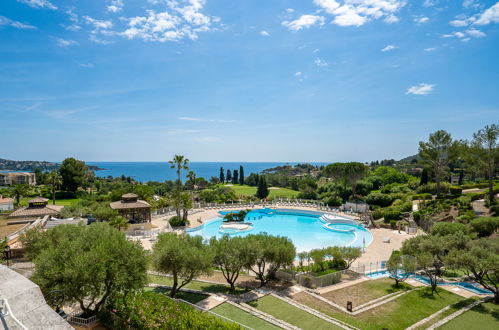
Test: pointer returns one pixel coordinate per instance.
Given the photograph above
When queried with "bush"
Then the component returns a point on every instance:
(485, 226)
(378, 214)
(392, 214)
(393, 224)
(475, 185)
(424, 196)
(175, 222)
(377, 198)
(494, 210)
(455, 190)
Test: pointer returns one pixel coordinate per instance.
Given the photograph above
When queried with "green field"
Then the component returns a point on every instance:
(193, 298)
(196, 285)
(290, 314)
(63, 202)
(275, 192)
(240, 316)
(483, 316)
(396, 314)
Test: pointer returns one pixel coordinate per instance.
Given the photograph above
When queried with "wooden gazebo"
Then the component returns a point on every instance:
(132, 208)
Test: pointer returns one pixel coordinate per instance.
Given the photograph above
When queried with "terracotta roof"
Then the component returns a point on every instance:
(37, 211)
(139, 204)
(38, 200)
(6, 200)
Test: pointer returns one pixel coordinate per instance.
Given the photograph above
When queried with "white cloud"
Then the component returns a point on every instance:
(304, 21)
(206, 120)
(290, 10)
(429, 3)
(320, 63)
(65, 43)
(38, 4)
(264, 33)
(430, 49)
(490, 15)
(421, 89)
(180, 131)
(359, 12)
(471, 4)
(459, 22)
(5, 21)
(388, 48)
(98, 24)
(421, 20)
(298, 74)
(86, 65)
(475, 33)
(115, 6)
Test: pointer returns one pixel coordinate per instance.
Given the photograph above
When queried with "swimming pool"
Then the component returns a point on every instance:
(304, 228)
(464, 285)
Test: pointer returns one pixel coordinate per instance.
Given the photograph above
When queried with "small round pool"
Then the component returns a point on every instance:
(304, 228)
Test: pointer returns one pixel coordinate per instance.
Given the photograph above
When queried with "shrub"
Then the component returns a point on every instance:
(376, 198)
(392, 214)
(455, 190)
(485, 226)
(494, 210)
(378, 214)
(393, 224)
(175, 222)
(424, 196)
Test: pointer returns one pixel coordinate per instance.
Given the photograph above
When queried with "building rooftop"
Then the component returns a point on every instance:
(6, 200)
(37, 211)
(138, 204)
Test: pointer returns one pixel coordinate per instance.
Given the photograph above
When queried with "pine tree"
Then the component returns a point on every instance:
(241, 175)
(424, 177)
(222, 176)
(262, 191)
(235, 177)
(228, 177)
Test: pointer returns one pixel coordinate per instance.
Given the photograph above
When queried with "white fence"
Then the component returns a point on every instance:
(369, 267)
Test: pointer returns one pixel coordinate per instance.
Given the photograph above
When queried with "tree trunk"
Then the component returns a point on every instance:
(496, 297)
(232, 287)
(53, 196)
(437, 181)
(173, 291)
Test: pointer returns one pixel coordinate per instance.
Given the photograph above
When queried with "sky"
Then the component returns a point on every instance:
(245, 80)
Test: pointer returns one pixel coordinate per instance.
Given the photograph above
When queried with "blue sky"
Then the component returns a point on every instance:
(245, 80)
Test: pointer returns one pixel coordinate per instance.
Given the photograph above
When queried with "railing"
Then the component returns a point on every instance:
(369, 267)
(6, 311)
(75, 319)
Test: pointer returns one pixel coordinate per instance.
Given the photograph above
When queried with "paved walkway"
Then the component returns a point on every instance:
(211, 302)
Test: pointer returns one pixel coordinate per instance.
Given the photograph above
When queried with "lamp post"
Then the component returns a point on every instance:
(7, 253)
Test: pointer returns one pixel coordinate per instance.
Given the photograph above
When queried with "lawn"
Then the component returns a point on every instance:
(483, 316)
(193, 298)
(365, 291)
(290, 314)
(196, 285)
(5, 229)
(396, 314)
(275, 192)
(238, 315)
(63, 202)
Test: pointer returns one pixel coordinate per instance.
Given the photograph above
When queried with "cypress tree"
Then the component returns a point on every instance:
(222, 176)
(228, 177)
(424, 177)
(262, 191)
(235, 177)
(241, 175)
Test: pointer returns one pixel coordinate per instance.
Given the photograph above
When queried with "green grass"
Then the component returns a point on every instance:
(290, 314)
(396, 314)
(483, 316)
(193, 298)
(238, 315)
(196, 285)
(274, 193)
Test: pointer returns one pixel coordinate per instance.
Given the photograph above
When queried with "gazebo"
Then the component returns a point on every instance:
(132, 208)
(37, 207)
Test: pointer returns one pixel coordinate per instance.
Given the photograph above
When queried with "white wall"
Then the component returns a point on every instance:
(6, 207)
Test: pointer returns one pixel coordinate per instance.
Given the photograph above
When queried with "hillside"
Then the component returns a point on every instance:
(31, 165)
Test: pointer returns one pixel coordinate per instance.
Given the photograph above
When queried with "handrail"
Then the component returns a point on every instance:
(6, 305)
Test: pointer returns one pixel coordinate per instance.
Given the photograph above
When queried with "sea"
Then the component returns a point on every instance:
(161, 171)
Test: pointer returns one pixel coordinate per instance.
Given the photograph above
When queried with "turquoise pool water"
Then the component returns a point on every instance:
(304, 228)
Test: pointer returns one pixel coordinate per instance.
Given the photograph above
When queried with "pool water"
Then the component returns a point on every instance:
(464, 285)
(305, 229)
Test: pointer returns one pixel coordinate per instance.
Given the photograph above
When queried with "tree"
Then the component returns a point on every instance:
(74, 173)
(350, 254)
(480, 261)
(186, 203)
(231, 255)
(119, 223)
(184, 257)
(241, 175)
(354, 171)
(262, 191)
(438, 152)
(302, 256)
(483, 153)
(228, 177)
(88, 263)
(179, 163)
(222, 176)
(318, 256)
(485, 226)
(235, 177)
(424, 177)
(192, 179)
(55, 181)
(400, 267)
(19, 190)
(270, 254)
(236, 216)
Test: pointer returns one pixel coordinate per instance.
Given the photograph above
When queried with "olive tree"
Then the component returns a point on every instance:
(270, 254)
(400, 267)
(88, 263)
(480, 261)
(184, 257)
(231, 255)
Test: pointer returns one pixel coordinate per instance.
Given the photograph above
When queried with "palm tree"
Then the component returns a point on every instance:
(119, 223)
(186, 201)
(55, 181)
(192, 178)
(18, 191)
(178, 162)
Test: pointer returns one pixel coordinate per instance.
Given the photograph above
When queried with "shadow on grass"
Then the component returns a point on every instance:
(427, 293)
(193, 298)
(485, 310)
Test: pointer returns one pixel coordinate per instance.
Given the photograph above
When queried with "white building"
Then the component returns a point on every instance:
(6, 204)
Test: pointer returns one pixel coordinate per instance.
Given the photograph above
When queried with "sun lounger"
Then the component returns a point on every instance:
(386, 240)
